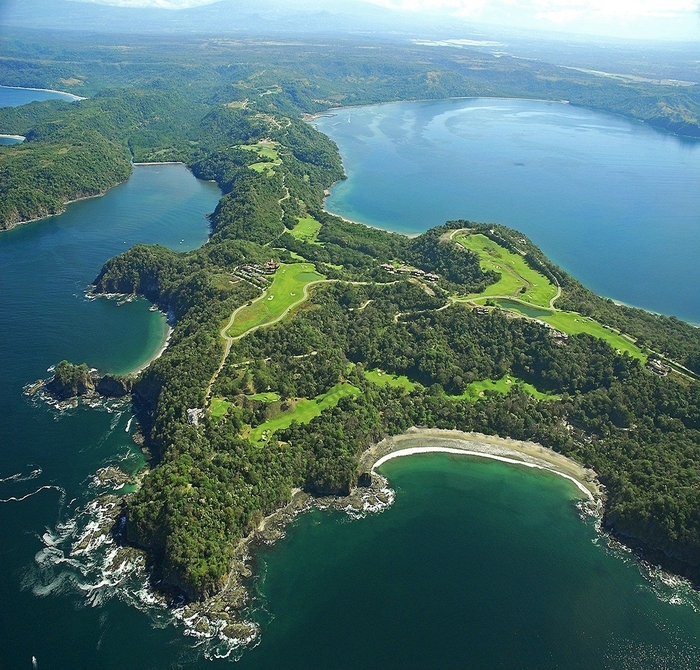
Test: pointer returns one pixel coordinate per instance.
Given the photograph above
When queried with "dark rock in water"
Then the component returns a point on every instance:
(365, 480)
(70, 381)
(111, 386)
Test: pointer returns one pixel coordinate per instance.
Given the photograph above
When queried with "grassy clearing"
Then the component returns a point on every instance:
(503, 385)
(286, 292)
(269, 396)
(518, 279)
(303, 411)
(218, 407)
(306, 230)
(385, 379)
(265, 151)
(572, 324)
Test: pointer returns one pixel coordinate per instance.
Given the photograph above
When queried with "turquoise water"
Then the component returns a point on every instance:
(14, 96)
(612, 201)
(476, 564)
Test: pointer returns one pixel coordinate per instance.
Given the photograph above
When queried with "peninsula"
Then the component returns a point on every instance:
(302, 340)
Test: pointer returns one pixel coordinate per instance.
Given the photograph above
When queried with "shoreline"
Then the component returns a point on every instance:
(155, 356)
(369, 225)
(161, 350)
(13, 137)
(330, 112)
(374, 495)
(65, 204)
(85, 197)
(159, 163)
(45, 90)
(516, 452)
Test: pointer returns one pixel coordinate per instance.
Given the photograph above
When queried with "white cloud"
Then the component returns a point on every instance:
(555, 10)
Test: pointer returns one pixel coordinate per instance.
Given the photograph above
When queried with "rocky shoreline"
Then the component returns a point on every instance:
(371, 495)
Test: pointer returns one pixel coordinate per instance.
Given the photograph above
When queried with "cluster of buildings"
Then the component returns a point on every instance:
(655, 365)
(413, 272)
(255, 273)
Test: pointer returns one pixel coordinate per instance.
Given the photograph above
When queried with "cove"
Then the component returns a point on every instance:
(478, 564)
(13, 96)
(612, 201)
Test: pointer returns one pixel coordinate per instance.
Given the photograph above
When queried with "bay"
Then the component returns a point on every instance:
(14, 96)
(478, 564)
(612, 201)
(45, 317)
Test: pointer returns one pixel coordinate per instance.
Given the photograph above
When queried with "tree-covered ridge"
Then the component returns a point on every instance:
(37, 181)
(220, 468)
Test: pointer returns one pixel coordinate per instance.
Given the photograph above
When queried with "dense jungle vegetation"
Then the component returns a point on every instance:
(234, 114)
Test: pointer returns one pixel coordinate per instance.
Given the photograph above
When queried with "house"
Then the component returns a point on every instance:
(659, 368)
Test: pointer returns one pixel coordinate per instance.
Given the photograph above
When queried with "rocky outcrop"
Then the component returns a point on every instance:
(70, 381)
(112, 386)
(73, 381)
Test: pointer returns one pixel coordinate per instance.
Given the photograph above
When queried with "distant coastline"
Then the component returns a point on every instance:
(44, 90)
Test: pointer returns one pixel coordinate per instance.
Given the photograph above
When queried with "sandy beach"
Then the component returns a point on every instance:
(155, 356)
(528, 454)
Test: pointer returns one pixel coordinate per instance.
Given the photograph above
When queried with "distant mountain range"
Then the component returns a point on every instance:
(253, 16)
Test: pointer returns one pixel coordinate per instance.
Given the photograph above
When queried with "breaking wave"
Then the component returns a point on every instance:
(82, 556)
(21, 477)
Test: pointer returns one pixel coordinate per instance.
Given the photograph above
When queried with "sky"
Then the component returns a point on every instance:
(648, 19)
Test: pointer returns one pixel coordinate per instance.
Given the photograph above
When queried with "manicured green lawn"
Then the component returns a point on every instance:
(572, 324)
(219, 406)
(304, 411)
(515, 273)
(268, 396)
(264, 150)
(286, 291)
(385, 379)
(306, 230)
(502, 385)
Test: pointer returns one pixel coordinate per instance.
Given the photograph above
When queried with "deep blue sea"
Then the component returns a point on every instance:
(477, 563)
(612, 201)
